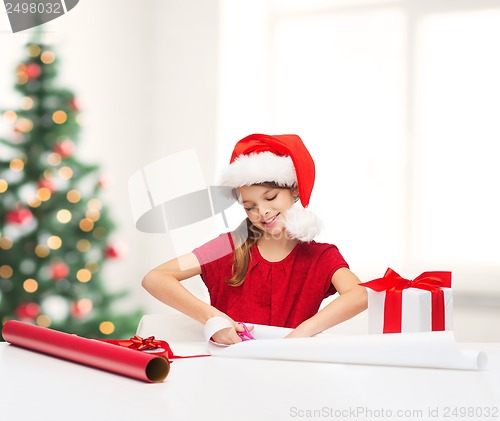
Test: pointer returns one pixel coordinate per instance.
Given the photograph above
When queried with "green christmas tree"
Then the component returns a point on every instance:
(54, 229)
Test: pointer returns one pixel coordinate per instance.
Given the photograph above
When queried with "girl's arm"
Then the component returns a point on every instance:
(163, 283)
(353, 299)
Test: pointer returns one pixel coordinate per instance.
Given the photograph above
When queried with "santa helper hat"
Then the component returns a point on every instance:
(284, 160)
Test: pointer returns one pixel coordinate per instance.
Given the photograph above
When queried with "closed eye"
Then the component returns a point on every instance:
(272, 198)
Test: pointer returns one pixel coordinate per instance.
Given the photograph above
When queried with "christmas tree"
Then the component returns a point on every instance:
(54, 228)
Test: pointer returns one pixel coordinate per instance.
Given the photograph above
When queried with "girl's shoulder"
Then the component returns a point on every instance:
(315, 247)
(324, 253)
(215, 249)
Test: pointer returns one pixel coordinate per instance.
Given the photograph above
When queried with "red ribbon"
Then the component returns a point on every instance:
(147, 344)
(394, 285)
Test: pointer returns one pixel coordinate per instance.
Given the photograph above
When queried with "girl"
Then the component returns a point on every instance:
(269, 270)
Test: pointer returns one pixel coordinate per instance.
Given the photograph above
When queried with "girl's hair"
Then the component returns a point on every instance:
(247, 235)
(244, 237)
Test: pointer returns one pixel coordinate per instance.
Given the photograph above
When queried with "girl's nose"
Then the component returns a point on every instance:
(264, 212)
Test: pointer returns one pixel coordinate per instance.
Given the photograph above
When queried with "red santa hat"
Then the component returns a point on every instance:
(281, 159)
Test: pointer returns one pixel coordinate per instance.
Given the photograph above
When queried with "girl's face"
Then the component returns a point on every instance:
(266, 206)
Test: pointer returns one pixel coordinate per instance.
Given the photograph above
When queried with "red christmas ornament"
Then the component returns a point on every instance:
(81, 308)
(115, 251)
(73, 104)
(18, 216)
(104, 182)
(48, 184)
(27, 311)
(64, 148)
(33, 71)
(59, 270)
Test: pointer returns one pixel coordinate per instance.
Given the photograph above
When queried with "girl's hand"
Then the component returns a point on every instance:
(298, 334)
(229, 335)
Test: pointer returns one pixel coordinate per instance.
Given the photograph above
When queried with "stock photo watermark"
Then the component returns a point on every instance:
(26, 14)
(365, 412)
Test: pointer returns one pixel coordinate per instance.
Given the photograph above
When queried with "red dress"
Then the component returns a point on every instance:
(283, 293)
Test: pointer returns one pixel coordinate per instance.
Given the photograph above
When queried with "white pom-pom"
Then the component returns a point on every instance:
(302, 224)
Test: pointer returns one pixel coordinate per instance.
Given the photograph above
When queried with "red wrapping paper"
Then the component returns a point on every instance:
(94, 353)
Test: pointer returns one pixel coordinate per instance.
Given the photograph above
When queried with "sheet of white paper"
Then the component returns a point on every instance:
(420, 349)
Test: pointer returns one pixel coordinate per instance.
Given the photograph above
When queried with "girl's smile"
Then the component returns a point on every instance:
(269, 222)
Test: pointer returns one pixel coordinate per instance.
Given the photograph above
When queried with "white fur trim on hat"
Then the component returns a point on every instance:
(302, 224)
(260, 167)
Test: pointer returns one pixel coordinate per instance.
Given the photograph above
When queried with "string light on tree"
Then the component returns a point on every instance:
(42, 251)
(3, 185)
(54, 159)
(48, 57)
(6, 243)
(84, 275)
(27, 103)
(73, 196)
(64, 216)
(65, 173)
(30, 285)
(45, 183)
(59, 117)
(83, 245)
(54, 242)
(16, 165)
(10, 116)
(43, 320)
(22, 75)
(6, 271)
(107, 327)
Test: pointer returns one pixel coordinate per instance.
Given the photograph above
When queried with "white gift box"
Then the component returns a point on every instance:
(416, 310)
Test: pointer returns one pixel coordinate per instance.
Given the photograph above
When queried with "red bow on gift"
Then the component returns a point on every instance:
(144, 344)
(394, 285)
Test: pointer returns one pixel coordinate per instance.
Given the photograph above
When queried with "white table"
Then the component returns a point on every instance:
(40, 387)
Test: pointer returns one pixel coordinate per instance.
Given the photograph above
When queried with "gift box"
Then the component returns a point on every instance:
(396, 304)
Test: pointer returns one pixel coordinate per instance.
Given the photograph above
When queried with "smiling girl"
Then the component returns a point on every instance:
(269, 270)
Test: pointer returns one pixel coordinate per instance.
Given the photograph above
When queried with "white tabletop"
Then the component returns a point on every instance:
(36, 386)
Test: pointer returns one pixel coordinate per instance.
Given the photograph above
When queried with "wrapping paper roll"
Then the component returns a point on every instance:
(90, 352)
(420, 349)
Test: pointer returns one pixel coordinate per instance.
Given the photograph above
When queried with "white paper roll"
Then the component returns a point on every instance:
(417, 349)
(420, 349)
